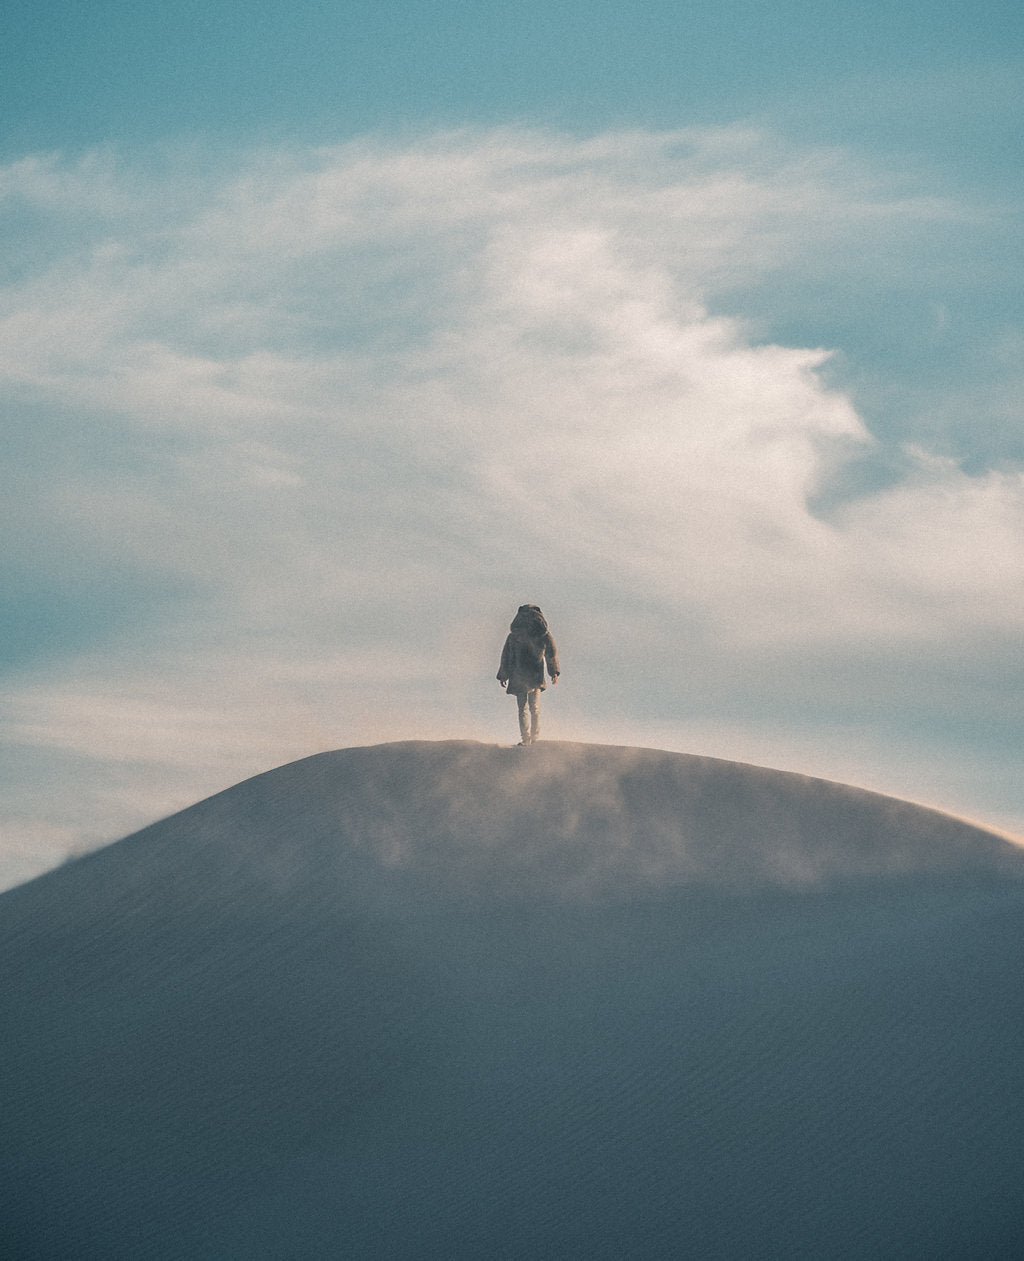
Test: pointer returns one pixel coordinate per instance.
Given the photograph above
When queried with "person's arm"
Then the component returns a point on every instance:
(504, 667)
(551, 655)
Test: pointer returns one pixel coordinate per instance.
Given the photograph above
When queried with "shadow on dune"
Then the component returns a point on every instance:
(456, 1001)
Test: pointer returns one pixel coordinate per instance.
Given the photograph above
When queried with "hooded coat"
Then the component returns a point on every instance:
(528, 647)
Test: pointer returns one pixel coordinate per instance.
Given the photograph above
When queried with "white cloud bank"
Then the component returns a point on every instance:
(322, 420)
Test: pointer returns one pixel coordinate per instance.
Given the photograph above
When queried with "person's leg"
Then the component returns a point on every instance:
(535, 715)
(524, 730)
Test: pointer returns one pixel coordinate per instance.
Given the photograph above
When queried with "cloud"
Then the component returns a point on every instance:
(319, 419)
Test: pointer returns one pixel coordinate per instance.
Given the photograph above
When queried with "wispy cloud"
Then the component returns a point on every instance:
(315, 422)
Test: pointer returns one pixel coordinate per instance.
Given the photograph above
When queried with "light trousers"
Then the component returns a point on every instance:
(529, 726)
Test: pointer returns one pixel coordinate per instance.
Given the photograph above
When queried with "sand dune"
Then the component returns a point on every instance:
(459, 1001)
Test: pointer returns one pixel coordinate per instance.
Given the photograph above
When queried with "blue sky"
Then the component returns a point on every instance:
(931, 78)
(332, 333)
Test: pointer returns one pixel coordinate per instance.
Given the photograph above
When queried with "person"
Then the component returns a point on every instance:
(527, 649)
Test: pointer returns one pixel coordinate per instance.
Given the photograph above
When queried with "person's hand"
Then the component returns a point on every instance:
(554, 679)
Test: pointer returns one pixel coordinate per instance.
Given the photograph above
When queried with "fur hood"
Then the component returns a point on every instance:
(529, 619)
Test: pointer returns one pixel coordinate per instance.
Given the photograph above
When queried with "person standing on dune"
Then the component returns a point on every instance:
(528, 648)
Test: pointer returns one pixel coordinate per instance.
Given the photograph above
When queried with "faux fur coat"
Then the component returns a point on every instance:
(528, 648)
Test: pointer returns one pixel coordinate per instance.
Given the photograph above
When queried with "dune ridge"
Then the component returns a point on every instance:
(559, 819)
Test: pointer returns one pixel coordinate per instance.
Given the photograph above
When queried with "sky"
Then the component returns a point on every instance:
(332, 333)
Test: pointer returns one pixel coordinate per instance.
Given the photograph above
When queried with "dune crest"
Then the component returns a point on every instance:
(562, 820)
